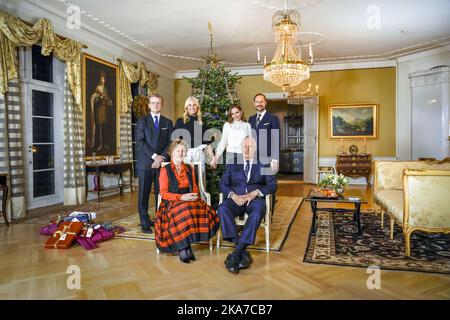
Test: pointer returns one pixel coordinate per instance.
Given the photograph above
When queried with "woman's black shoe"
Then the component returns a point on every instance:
(191, 254)
(184, 257)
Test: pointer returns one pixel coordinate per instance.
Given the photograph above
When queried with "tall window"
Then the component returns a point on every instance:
(136, 89)
(42, 66)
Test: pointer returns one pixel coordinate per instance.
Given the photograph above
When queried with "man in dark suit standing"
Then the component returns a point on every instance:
(244, 187)
(153, 134)
(266, 126)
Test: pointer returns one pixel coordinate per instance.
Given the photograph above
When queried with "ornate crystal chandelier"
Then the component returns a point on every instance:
(287, 69)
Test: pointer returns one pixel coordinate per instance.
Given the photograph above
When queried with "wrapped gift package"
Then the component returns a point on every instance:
(79, 216)
(64, 236)
(88, 240)
(49, 230)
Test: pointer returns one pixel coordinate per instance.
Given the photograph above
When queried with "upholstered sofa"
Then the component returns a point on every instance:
(415, 195)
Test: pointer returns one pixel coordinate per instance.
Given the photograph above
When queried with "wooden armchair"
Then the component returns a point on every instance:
(265, 222)
(198, 167)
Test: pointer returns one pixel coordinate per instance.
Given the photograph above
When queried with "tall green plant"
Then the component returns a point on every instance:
(215, 88)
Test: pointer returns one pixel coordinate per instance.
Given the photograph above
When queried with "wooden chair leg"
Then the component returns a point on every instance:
(382, 217)
(392, 229)
(210, 244)
(267, 232)
(218, 237)
(408, 243)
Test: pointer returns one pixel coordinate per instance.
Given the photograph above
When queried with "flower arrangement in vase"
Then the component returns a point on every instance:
(334, 182)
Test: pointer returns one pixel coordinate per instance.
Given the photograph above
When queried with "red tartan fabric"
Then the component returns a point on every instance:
(181, 223)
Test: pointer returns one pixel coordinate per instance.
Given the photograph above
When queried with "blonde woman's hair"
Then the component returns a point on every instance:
(175, 143)
(231, 107)
(186, 113)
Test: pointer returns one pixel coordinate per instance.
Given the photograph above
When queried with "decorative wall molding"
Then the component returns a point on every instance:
(423, 54)
(430, 77)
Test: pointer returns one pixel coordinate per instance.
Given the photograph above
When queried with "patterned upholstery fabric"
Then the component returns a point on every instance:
(392, 200)
(389, 173)
(427, 198)
(429, 201)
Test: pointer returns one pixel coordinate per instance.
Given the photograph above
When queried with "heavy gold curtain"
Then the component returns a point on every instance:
(128, 74)
(14, 33)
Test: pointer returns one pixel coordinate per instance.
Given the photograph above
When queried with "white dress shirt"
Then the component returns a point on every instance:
(248, 178)
(260, 113)
(232, 136)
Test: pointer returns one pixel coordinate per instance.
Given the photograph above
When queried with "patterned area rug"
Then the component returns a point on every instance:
(100, 208)
(286, 209)
(336, 242)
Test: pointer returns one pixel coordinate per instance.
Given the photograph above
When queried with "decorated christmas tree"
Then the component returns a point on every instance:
(215, 88)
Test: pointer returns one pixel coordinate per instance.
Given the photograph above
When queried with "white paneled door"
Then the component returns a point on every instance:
(311, 132)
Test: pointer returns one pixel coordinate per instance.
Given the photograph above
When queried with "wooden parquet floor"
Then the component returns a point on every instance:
(131, 269)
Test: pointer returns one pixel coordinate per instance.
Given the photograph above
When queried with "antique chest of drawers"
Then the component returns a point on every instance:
(355, 165)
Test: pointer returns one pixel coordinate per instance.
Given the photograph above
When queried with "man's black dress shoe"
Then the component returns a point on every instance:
(245, 260)
(152, 223)
(148, 231)
(232, 263)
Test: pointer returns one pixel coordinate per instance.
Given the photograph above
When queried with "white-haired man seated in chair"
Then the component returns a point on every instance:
(244, 186)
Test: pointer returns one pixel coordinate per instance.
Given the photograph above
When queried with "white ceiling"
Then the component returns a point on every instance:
(179, 27)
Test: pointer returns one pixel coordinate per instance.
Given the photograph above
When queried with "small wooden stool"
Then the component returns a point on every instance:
(324, 170)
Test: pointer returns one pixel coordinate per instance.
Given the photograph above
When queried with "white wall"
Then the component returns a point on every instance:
(406, 65)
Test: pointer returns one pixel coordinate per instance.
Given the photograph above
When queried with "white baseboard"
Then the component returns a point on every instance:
(331, 162)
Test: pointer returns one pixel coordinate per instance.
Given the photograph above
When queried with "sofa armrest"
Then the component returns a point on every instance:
(426, 199)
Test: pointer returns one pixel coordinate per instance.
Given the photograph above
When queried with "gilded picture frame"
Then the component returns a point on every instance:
(101, 110)
(350, 121)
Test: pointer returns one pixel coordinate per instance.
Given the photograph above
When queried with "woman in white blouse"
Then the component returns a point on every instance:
(233, 133)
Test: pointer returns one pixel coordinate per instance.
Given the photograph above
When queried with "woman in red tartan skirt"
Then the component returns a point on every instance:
(183, 217)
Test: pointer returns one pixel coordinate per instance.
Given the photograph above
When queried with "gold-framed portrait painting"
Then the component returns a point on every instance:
(100, 105)
(353, 120)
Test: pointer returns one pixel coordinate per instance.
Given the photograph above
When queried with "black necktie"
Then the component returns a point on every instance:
(258, 120)
(156, 123)
(247, 169)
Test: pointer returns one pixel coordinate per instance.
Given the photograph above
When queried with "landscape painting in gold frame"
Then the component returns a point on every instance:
(101, 107)
(353, 121)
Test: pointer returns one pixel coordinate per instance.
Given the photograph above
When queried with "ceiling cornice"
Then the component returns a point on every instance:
(345, 65)
(155, 65)
(423, 54)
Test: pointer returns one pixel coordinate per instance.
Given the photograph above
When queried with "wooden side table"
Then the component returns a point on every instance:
(4, 185)
(355, 165)
(117, 168)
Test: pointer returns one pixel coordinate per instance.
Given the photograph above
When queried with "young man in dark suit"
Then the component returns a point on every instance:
(153, 134)
(244, 187)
